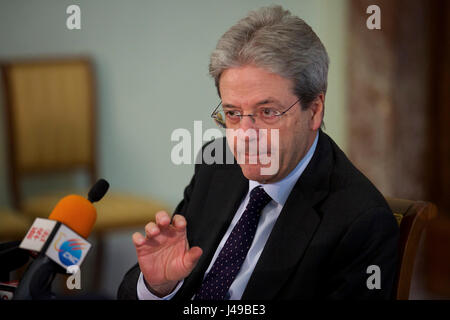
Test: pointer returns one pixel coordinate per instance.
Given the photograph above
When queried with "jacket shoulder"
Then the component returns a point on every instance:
(350, 191)
(128, 287)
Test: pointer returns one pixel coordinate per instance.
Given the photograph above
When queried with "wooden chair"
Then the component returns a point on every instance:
(13, 225)
(412, 217)
(50, 111)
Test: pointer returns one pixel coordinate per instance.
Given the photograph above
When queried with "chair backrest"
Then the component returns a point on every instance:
(50, 118)
(413, 217)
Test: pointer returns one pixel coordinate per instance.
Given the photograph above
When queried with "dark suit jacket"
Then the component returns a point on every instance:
(333, 226)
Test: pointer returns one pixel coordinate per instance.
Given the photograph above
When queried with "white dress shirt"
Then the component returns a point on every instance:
(279, 192)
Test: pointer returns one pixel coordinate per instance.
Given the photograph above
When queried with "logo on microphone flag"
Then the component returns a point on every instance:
(38, 234)
(70, 251)
(68, 248)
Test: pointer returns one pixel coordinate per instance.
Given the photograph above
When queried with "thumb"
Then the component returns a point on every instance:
(191, 257)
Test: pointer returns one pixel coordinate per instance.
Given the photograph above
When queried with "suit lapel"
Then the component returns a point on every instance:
(284, 249)
(225, 193)
(294, 228)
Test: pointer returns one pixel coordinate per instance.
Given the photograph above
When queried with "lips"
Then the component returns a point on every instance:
(247, 152)
(267, 154)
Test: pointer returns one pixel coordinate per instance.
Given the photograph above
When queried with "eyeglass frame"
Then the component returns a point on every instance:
(253, 116)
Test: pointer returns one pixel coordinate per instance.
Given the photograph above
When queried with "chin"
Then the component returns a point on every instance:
(253, 172)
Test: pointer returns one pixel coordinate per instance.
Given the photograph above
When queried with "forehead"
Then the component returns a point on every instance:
(248, 85)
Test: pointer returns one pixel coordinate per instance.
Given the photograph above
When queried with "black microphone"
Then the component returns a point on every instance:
(11, 258)
(98, 190)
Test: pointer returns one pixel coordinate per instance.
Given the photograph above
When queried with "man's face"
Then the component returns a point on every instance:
(248, 89)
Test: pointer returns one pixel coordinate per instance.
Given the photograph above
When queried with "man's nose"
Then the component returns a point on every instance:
(247, 122)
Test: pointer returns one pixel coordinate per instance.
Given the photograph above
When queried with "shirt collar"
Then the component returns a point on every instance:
(280, 190)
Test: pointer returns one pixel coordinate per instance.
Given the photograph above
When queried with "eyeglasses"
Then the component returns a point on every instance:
(268, 115)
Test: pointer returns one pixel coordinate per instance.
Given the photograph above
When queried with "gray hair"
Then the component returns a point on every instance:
(274, 39)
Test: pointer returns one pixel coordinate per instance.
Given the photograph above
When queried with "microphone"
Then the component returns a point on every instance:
(98, 190)
(60, 241)
(12, 258)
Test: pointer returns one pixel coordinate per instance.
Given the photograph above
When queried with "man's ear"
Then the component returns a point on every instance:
(316, 110)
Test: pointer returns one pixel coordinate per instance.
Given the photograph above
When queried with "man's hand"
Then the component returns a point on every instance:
(164, 255)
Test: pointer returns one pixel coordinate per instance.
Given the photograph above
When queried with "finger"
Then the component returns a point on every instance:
(151, 230)
(162, 219)
(191, 257)
(138, 239)
(179, 222)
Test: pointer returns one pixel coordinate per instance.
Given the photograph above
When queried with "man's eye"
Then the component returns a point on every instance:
(269, 112)
(232, 114)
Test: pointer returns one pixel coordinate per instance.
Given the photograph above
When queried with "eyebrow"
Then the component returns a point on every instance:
(260, 103)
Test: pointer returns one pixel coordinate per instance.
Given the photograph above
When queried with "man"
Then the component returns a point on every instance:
(311, 229)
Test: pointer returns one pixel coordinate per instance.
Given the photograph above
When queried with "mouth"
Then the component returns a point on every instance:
(255, 158)
(248, 154)
(253, 153)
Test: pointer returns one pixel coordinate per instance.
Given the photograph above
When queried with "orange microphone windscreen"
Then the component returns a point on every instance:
(77, 213)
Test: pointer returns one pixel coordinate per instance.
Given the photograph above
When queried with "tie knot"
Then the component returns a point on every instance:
(259, 197)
